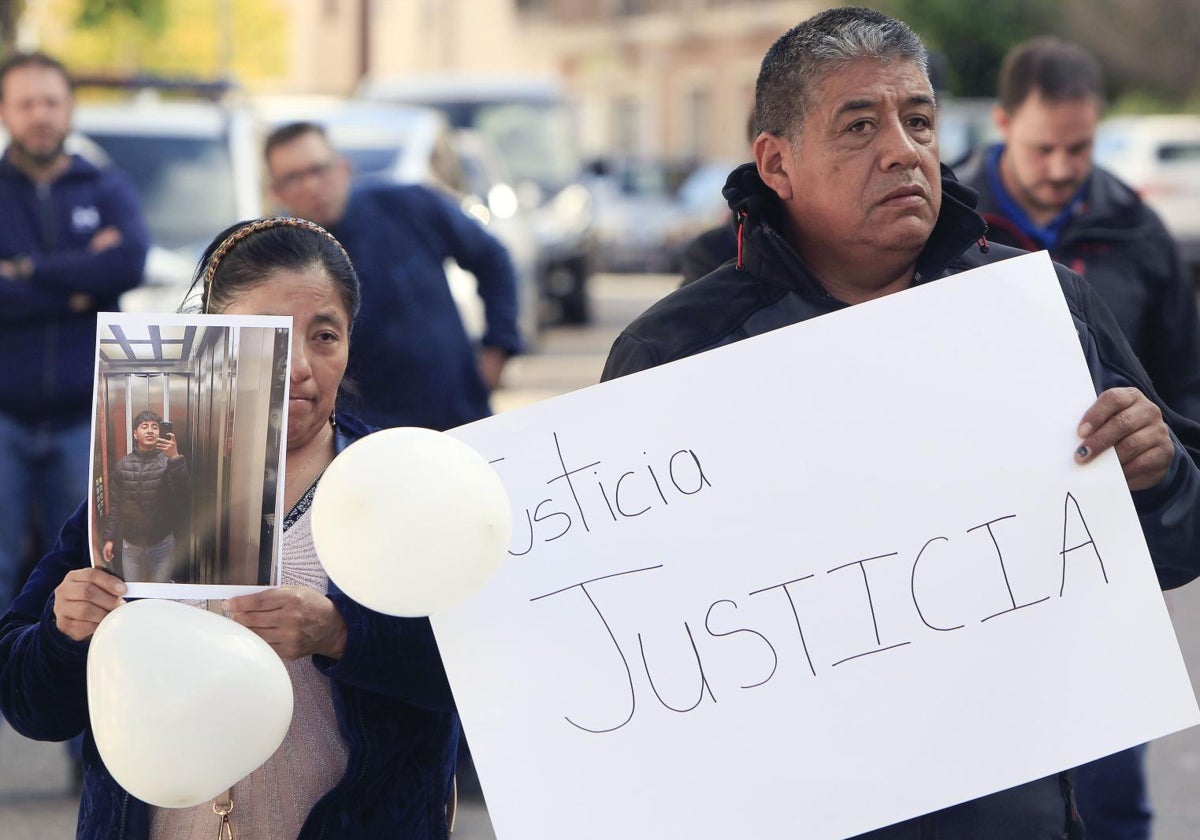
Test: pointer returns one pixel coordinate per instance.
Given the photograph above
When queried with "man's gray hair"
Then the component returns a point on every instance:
(798, 62)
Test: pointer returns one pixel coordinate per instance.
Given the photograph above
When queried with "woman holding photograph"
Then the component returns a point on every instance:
(370, 751)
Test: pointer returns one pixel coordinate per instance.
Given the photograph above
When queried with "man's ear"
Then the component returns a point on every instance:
(1000, 118)
(773, 155)
(269, 183)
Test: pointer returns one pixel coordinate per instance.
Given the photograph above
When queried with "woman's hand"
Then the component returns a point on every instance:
(295, 620)
(83, 599)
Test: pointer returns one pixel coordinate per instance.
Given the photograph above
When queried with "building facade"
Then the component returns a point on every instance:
(667, 79)
(671, 79)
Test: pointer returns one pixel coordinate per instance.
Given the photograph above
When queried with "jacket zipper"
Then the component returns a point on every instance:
(124, 810)
(49, 243)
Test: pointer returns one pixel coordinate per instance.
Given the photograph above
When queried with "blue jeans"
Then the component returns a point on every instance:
(149, 563)
(43, 468)
(1111, 795)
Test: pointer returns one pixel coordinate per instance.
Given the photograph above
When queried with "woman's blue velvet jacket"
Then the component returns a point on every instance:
(390, 691)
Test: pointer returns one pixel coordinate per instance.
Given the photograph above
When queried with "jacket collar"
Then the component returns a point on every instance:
(1110, 204)
(768, 254)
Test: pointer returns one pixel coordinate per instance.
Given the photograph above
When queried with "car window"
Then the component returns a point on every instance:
(371, 150)
(1110, 144)
(1179, 152)
(535, 140)
(703, 188)
(368, 161)
(185, 183)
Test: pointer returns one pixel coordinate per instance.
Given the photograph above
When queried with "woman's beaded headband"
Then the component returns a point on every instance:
(261, 225)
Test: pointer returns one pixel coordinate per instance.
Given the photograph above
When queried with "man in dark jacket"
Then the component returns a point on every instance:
(1039, 189)
(148, 490)
(72, 241)
(412, 361)
(846, 204)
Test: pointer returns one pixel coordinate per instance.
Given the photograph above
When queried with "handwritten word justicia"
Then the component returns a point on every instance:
(582, 494)
(1079, 556)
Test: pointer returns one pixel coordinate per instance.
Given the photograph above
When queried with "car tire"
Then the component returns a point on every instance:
(566, 285)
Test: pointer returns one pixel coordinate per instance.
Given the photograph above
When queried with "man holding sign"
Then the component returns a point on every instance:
(845, 204)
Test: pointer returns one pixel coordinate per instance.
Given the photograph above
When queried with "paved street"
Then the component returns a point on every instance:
(35, 803)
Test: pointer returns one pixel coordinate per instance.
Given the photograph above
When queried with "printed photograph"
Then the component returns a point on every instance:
(187, 449)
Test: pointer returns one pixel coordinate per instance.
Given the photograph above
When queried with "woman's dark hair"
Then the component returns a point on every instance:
(245, 254)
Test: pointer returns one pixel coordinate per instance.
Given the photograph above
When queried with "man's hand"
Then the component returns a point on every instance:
(108, 551)
(167, 445)
(1126, 419)
(295, 620)
(105, 238)
(491, 366)
(83, 599)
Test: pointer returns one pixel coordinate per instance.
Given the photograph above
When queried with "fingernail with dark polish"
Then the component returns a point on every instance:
(1082, 452)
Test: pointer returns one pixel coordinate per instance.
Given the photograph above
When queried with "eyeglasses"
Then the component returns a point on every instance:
(292, 180)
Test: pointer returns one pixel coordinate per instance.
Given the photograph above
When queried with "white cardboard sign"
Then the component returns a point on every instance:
(817, 582)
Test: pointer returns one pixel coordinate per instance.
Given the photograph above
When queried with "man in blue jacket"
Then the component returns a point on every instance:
(72, 241)
(412, 361)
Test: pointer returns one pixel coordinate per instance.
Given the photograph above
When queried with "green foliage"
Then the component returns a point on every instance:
(245, 39)
(972, 36)
(1141, 102)
(151, 14)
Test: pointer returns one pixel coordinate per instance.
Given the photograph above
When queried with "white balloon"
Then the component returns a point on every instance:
(183, 702)
(409, 521)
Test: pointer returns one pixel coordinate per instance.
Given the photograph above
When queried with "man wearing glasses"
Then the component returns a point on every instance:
(411, 359)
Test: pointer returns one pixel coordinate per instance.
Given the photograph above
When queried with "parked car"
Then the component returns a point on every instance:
(530, 122)
(1159, 156)
(195, 167)
(635, 212)
(415, 144)
(699, 205)
(963, 125)
(488, 194)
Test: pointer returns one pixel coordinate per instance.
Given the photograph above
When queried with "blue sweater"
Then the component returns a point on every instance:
(410, 355)
(49, 346)
(390, 693)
